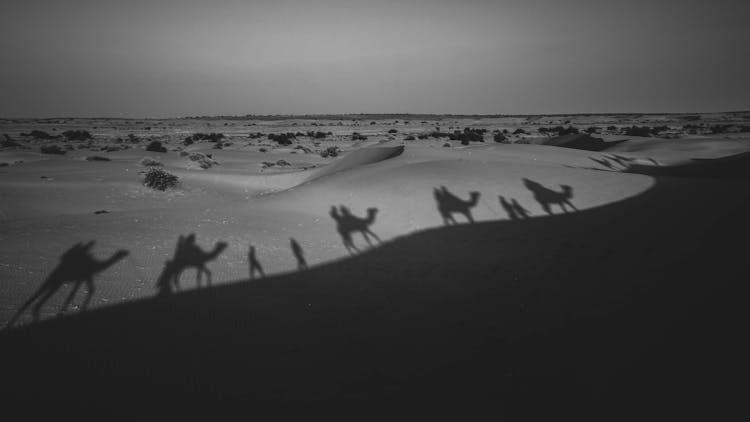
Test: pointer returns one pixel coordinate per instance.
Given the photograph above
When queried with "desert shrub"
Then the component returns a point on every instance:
(716, 129)
(393, 131)
(203, 160)
(155, 146)
(159, 179)
(4, 164)
(263, 150)
(39, 134)
(330, 152)
(468, 135)
(637, 131)
(558, 130)
(447, 145)
(213, 137)
(409, 138)
(423, 136)
(97, 158)
(77, 135)
(519, 131)
(592, 129)
(373, 123)
(52, 149)
(8, 142)
(282, 138)
(356, 136)
(149, 162)
(256, 135)
(499, 137)
(659, 129)
(188, 141)
(611, 128)
(318, 134)
(184, 153)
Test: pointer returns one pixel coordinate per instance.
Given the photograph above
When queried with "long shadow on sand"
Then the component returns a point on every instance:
(547, 197)
(632, 307)
(77, 267)
(449, 204)
(347, 224)
(187, 255)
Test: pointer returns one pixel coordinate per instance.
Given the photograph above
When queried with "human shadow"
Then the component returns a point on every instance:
(514, 210)
(299, 254)
(187, 255)
(254, 264)
(348, 224)
(77, 266)
(449, 204)
(547, 197)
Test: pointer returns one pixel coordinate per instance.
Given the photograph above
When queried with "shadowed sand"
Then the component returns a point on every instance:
(607, 311)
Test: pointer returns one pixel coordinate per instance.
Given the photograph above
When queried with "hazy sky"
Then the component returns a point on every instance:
(151, 58)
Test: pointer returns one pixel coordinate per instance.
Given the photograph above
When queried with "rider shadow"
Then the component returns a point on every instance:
(77, 266)
(348, 224)
(449, 204)
(514, 210)
(254, 264)
(299, 254)
(547, 197)
(187, 255)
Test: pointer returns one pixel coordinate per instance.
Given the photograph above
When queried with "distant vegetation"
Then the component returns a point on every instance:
(52, 149)
(77, 135)
(558, 130)
(40, 134)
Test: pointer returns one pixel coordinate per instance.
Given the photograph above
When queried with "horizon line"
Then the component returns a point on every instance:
(339, 116)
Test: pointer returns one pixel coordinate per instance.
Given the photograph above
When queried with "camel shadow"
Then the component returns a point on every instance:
(514, 210)
(348, 224)
(547, 197)
(77, 266)
(449, 204)
(187, 255)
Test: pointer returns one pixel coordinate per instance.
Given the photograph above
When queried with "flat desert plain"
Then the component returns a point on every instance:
(512, 263)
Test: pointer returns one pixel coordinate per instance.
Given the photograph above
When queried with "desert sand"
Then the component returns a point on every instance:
(502, 274)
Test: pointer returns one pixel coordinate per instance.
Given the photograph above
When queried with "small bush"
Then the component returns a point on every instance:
(213, 137)
(499, 137)
(77, 135)
(159, 179)
(520, 131)
(468, 135)
(149, 162)
(155, 146)
(592, 130)
(330, 152)
(52, 149)
(8, 142)
(637, 131)
(39, 134)
(203, 160)
(282, 138)
(393, 131)
(409, 138)
(356, 136)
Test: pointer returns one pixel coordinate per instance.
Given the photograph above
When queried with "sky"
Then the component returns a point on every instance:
(174, 58)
